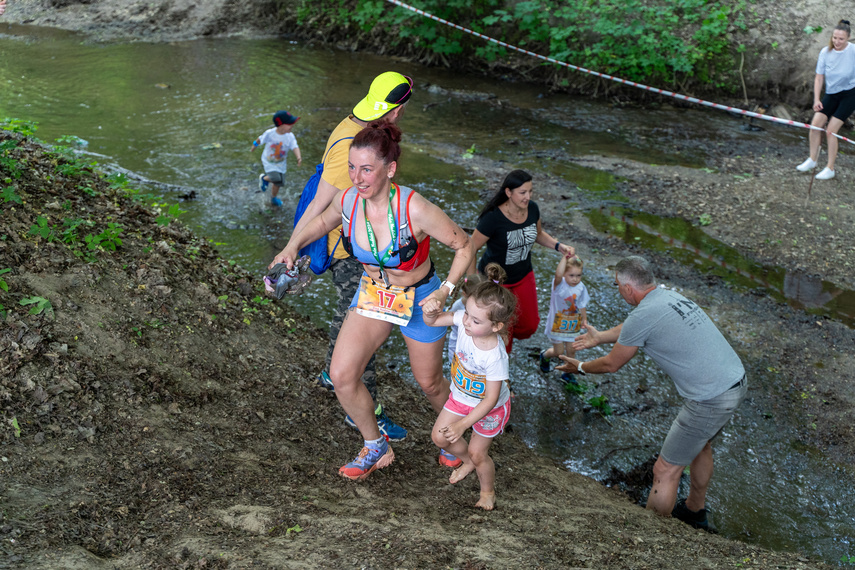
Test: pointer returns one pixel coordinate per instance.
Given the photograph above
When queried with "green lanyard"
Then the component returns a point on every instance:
(372, 239)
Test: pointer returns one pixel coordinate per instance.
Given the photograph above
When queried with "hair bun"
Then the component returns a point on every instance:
(845, 22)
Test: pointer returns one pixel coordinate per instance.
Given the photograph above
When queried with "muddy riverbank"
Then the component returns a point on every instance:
(159, 413)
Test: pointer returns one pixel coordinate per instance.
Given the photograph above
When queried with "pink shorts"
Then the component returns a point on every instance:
(490, 425)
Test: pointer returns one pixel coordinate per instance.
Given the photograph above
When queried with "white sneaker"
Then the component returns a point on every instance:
(826, 174)
(809, 164)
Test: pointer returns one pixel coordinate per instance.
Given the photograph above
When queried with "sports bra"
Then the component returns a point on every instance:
(407, 257)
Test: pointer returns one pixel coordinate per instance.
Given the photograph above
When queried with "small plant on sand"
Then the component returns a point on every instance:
(15, 426)
(705, 219)
(42, 229)
(108, 239)
(171, 214)
(601, 404)
(7, 162)
(576, 388)
(39, 305)
(5, 287)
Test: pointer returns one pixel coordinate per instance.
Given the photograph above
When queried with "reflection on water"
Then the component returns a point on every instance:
(809, 291)
(184, 115)
(689, 243)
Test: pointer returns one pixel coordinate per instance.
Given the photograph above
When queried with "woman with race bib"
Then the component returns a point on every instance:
(510, 225)
(388, 228)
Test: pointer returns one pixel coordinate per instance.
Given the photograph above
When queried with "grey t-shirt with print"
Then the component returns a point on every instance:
(677, 334)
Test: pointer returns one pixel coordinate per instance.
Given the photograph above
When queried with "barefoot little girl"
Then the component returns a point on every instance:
(479, 397)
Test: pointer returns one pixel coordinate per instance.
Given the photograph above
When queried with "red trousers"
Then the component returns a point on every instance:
(528, 317)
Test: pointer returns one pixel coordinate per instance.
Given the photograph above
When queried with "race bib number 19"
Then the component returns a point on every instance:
(470, 384)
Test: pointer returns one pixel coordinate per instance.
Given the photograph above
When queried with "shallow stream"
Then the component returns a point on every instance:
(181, 117)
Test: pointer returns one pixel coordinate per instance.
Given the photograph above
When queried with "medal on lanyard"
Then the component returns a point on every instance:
(372, 239)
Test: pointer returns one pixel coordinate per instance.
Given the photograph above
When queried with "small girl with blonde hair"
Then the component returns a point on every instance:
(567, 312)
(480, 396)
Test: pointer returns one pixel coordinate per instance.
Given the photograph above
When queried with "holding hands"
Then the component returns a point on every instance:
(433, 304)
(431, 308)
(567, 251)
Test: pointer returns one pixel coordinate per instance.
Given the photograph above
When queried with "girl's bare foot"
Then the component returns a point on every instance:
(487, 501)
(461, 472)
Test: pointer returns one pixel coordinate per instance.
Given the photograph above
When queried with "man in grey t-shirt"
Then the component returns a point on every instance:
(707, 372)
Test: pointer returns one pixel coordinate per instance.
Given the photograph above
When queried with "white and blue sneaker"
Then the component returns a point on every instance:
(324, 381)
(390, 429)
(369, 459)
(262, 183)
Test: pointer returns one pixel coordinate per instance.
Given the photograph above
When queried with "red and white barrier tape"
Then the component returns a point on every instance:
(616, 79)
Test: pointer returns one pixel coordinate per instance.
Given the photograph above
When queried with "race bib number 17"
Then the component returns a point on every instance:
(392, 304)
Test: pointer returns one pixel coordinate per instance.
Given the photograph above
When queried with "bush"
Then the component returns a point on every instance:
(666, 43)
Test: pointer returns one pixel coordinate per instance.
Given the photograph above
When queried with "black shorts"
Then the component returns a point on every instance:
(839, 105)
(276, 177)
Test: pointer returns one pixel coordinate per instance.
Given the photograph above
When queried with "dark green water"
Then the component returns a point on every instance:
(182, 116)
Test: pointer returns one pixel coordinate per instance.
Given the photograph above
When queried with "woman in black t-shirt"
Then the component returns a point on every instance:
(510, 225)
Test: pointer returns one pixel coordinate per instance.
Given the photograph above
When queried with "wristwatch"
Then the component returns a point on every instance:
(579, 368)
(450, 286)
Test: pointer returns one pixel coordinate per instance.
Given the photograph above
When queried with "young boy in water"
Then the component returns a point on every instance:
(277, 141)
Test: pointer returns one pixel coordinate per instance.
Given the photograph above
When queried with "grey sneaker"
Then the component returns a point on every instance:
(281, 280)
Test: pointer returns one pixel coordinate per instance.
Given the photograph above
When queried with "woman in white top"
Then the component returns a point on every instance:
(836, 68)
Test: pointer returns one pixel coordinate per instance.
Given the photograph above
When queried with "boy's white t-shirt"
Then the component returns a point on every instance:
(565, 305)
(275, 149)
(472, 367)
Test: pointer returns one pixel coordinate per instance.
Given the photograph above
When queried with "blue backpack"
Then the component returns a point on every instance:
(317, 250)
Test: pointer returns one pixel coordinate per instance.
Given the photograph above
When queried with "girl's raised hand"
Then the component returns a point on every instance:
(432, 307)
(567, 251)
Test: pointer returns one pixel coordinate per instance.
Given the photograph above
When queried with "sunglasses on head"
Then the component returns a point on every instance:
(400, 93)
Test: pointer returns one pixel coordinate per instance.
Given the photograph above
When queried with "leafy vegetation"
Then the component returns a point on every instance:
(69, 230)
(667, 43)
(5, 287)
(38, 305)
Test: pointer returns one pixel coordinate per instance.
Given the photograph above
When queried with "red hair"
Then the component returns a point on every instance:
(383, 138)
